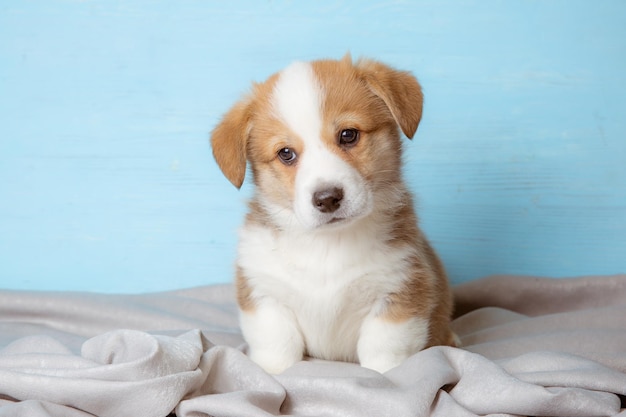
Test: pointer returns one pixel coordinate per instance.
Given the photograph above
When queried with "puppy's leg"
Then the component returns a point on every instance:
(384, 344)
(273, 336)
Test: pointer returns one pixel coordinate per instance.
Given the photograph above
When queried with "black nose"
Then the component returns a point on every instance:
(328, 200)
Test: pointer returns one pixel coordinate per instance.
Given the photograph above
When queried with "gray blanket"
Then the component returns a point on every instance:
(532, 346)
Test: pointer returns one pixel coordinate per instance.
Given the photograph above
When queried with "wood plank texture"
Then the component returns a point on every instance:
(107, 181)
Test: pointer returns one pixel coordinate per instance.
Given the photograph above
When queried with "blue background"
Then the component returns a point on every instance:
(107, 182)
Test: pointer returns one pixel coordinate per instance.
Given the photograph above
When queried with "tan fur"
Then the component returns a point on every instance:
(244, 292)
(399, 90)
(426, 294)
(374, 120)
(229, 140)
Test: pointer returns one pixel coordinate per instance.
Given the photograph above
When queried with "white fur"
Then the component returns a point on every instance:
(275, 347)
(383, 345)
(297, 99)
(320, 168)
(320, 289)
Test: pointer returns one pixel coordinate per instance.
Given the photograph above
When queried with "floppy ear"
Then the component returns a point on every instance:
(399, 90)
(229, 140)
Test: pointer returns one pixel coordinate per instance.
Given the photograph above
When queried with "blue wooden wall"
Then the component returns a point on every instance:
(107, 181)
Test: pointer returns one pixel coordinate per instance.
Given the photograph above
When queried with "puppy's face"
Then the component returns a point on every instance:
(321, 139)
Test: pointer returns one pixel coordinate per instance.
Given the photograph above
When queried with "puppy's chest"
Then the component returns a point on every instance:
(344, 270)
(315, 259)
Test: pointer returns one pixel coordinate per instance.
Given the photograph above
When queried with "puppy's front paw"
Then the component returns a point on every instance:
(273, 336)
(382, 362)
(384, 344)
(274, 362)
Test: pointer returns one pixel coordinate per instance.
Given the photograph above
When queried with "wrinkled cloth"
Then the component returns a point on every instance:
(531, 347)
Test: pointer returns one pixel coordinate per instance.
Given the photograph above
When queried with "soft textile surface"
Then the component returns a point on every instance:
(532, 346)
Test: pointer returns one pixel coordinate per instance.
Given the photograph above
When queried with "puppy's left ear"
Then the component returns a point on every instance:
(399, 90)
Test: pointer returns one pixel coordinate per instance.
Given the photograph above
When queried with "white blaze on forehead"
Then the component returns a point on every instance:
(297, 99)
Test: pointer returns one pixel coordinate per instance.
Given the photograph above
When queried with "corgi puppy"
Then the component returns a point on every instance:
(331, 263)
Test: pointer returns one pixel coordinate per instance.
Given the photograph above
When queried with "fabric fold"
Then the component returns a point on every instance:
(530, 347)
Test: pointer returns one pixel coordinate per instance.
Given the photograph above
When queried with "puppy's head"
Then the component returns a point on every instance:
(321, 139)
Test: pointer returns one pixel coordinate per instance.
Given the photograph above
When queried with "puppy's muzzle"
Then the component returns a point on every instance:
(328, 200)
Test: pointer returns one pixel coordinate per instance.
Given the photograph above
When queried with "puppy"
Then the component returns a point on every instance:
(331, 262)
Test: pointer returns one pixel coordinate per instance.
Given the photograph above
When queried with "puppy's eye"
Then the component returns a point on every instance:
(348, 137)
(287, 156)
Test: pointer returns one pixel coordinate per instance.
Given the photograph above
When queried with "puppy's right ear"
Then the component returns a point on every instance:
(229, 140)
